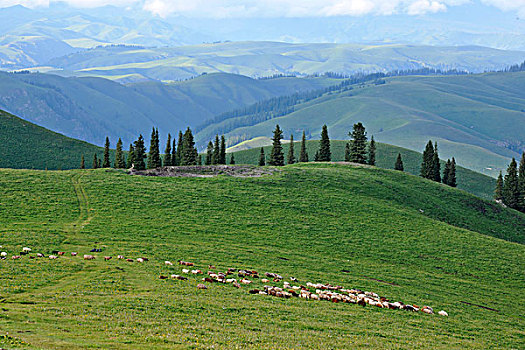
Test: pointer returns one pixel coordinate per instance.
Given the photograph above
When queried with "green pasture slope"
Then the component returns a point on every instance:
(28, 146)
(401, 236)
(481, 185)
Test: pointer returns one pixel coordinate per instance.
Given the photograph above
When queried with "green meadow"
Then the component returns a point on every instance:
(395, 234)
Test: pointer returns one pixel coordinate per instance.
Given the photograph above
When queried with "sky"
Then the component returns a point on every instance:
(284, 8)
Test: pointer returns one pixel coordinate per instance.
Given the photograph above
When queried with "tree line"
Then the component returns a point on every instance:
(511, 189)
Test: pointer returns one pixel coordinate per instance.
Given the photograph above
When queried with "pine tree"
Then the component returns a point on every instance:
(216, 151)
(510, 186)
(291, 156)
(99, 163)
(316, 156)
(372, 152)
(129, 163)
(303, 156)
(276, 155)
(498, 192)
(139, 154)
(399, 163)
(521, 184)
(347, 152)
(167, 152)
(209, 154)
(119, 156)
(358, 144)
(199, 160)
(174, 161)
(446, 171)
(232, 160)
(222, 155)
(452, 174)
(436, 166)
(427, 166)
(190, 154)
(262, 158)
(180, 148)
(324, 146)
(95, 161)
(106, 163)
(154, 152)
(82, 163)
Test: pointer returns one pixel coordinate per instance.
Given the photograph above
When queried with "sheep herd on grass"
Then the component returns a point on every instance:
(309, 291)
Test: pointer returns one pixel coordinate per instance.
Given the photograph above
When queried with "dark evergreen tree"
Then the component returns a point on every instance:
(358, 144)
(262, 158)
(82, 163)
(303, 156)
(209, 154)
(372, 152)
(324, 146)
(199, 161)
(139, 154)
(452, 174)
(222, 155)
(216, 151)
(399, 163)
(180, 148)
(446, 172)
(498, 192)
(521, 184)
(347, 152)
(316, 156)
(95, 161)
(100, 163)
(106, 163)
(291, 156)
(190, 155)
(277, 155)
(510, 186)
(129, 162)
(436, 166)
(427, 165)
(174, 161)
(167, 152)
(119, 156)
(232, 160)
(154, 151)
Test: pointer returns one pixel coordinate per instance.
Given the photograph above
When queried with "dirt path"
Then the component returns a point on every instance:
(85, 214)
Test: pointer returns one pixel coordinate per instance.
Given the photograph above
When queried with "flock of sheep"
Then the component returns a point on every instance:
(310, 291)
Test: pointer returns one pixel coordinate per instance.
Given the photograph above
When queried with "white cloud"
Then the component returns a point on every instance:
(283, 8)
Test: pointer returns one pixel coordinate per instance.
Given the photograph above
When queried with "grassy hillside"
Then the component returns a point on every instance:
(28, 146)
(481, 185)
(479, 119)
(373, 229)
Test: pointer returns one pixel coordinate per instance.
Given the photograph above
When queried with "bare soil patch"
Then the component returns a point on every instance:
(206, 171)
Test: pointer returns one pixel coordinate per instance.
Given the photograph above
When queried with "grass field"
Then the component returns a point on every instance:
(395, 234)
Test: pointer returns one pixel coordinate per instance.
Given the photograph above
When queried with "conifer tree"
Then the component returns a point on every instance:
(199, 160)
(154, 152)
(106, 163)
(347, 152)
(100, 163)
(372, 152)
(452, 174)
(174, 160)
(82, 163)
(167, 152)
(324, 146)
(232, 160)
(190, 155)
(129, 162)
(262, 158)
(399, 163)
(139, 154)
(119, 156)
(291, 156)
(521, 184)
(436, 166)
(303, 156)
(427, 166)
(276, 155)
(95, 161)
(216, 151)
(180, 148)
(222, 156)
(498, 192)
(510, 186)
(446, 172)
(358, 144)
(316, 156)
(209, 154)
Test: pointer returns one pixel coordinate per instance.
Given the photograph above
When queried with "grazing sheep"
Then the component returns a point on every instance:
(264, 280)
(163, 277)
(53, 257)
(211, 267)
(210, 280)
(185, 263)
(130, 260)
(121, 257)
(140, 260)
(74, 253)
(427, 310)
(61, 253)
(107, 258)
(26, 250)
(236, 285)
(201, 286)
(196, 272)
(443, 313)
(168, 263)
(185, 271)
(4, 254)
(245, 281)
(15, 257)
(40, 255)
(88, 257)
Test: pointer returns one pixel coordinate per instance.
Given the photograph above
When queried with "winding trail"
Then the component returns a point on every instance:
(85, 214)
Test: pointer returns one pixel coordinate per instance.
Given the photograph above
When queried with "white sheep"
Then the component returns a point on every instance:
(168, 263)
(443, 313)
(3, 254)
(26, 250)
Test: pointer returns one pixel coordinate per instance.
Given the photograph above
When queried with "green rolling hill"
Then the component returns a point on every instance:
(403, 237)
(479, 119)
